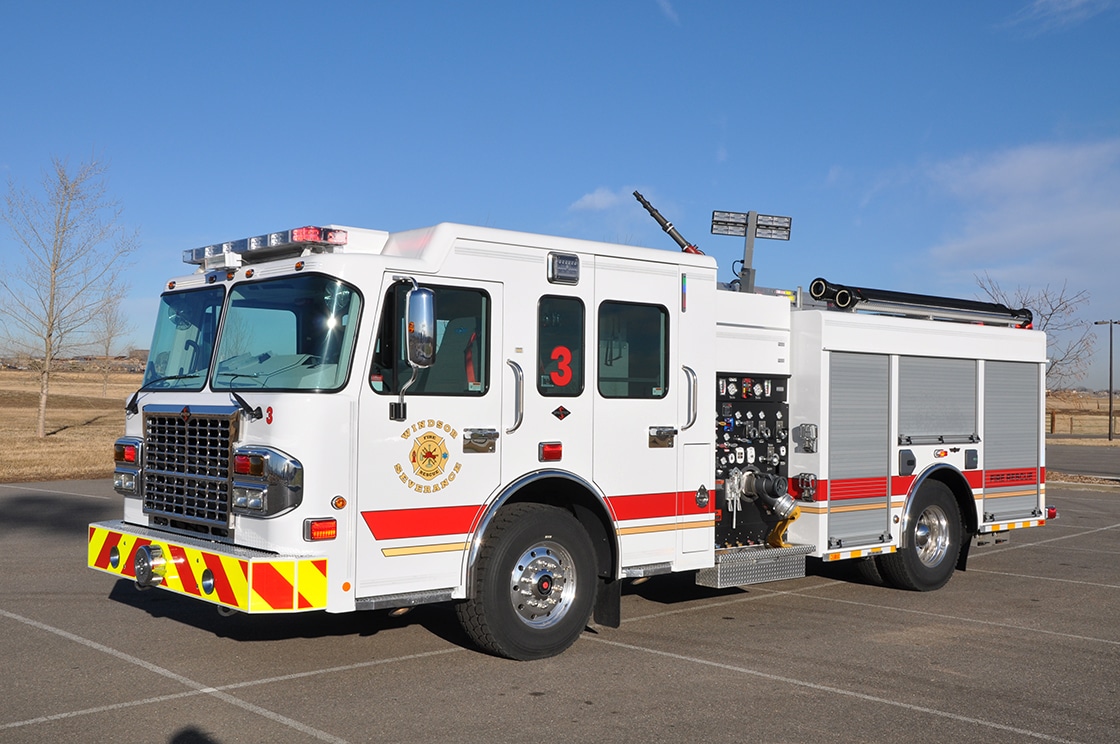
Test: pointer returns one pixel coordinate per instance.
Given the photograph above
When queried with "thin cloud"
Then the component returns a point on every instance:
(599, 200)
(1034, 215)
(1043, 16)
(667, 10)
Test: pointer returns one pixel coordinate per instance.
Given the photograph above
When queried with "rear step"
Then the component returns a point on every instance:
(754, 565)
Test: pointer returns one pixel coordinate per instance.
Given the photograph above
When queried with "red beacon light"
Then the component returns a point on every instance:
(230, 255)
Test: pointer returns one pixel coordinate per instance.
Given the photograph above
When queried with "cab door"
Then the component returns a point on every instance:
(423, 479)
(637, 388)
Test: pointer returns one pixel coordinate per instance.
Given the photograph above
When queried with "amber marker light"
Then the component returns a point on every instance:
(338, 502)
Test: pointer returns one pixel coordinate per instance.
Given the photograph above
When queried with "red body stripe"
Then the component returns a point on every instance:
(1011, 477)
(901, 484)
(858, 488)
(272, 587)
(644, 506)
(396, 524)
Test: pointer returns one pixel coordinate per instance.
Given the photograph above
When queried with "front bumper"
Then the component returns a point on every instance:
(238, 578)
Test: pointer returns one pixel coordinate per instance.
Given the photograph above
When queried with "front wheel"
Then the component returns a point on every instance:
(535, 584)
(932, 540)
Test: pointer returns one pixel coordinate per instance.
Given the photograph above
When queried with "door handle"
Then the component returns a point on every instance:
(479, 440)
(690, 375)
(661, 437)
(518, 395)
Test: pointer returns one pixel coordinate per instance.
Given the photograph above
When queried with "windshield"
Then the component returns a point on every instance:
(294, 333)
(186, 326)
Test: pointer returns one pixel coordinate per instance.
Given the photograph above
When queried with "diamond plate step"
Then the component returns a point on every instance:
(754, 565)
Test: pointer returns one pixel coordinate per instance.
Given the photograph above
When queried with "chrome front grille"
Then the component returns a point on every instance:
(186, 475)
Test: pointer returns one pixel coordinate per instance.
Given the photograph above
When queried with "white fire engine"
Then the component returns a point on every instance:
(345, 419)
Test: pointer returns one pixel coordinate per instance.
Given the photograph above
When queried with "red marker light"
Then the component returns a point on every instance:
(551, 451)
(320, 529)
(124, 453)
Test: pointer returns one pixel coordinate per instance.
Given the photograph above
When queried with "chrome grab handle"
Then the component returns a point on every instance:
(518, 395)
(690, 374)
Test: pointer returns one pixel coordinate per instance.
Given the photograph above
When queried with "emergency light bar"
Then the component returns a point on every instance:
(232, 253)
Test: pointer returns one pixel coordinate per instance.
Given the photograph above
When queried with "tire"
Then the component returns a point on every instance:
(932, 539)
(535, 584)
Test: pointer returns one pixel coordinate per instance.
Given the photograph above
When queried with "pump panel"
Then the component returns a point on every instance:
(752, 436)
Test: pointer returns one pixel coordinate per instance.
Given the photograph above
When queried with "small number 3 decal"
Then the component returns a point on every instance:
(268, 415)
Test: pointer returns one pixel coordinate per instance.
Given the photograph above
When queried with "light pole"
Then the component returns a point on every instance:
(1109, 323)
(750, 225)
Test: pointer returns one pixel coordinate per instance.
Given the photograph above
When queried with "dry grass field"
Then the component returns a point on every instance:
(83, 421)
(1081, 414)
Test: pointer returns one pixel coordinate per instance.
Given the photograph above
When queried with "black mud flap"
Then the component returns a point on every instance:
(608, 603)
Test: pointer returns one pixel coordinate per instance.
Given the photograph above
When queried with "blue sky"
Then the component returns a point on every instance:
(915, 145)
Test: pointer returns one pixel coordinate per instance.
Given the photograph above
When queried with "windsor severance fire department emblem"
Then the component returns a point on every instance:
(429, 457)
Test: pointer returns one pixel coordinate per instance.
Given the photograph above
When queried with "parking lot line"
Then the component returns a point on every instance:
(833, 690)
(21, 487)
(196, 686)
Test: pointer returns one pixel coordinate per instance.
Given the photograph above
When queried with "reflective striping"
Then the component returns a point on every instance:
(311, 584)
(423, 549)
(263, 584)
(858, 553)
(703, 524)
(985, 529)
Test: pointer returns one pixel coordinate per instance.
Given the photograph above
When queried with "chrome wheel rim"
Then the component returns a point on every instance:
(931, 536)
(543, 584)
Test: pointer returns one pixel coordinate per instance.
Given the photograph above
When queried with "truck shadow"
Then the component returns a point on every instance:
(437, 619)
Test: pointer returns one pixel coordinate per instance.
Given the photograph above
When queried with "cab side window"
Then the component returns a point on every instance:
(462, 345)
(560, 355)
(633, 354)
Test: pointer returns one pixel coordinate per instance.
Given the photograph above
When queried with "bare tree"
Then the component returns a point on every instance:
(107, 329)
(73, 249)
(1069, 340)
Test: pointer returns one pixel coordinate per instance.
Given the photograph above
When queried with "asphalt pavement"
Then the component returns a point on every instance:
(1024, 646)
(1101, 462)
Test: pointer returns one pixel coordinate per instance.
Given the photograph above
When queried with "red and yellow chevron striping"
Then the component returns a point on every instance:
(264, 584)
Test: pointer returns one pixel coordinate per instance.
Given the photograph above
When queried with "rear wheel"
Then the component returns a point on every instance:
(932, 540)
(535, 585)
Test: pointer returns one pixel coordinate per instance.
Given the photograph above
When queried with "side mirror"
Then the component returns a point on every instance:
(420, 314)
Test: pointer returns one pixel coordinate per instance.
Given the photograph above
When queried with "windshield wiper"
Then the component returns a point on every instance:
(134, 409)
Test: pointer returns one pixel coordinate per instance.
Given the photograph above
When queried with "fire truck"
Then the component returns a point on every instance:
(339, 419)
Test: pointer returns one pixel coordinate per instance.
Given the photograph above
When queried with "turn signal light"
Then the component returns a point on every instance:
(320, 529)
(124, 453)
(248, 465)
